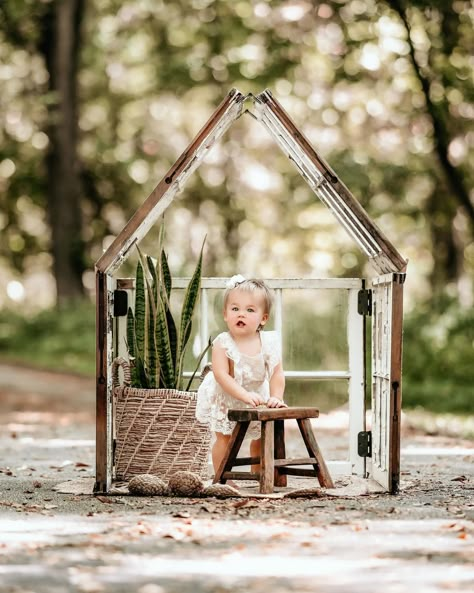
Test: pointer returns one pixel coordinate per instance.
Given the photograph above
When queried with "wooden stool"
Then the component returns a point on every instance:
(274, 467)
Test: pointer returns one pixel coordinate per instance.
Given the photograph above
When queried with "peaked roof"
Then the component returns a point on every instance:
(312, 167)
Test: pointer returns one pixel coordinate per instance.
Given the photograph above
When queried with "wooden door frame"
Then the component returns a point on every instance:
(394, 395)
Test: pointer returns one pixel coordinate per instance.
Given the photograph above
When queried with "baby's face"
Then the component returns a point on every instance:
(245, 312)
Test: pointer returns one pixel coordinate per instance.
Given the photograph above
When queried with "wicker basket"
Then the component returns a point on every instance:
(156, 430)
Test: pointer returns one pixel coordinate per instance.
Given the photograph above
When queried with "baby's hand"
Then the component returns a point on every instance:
(253, 399)
(275, 402)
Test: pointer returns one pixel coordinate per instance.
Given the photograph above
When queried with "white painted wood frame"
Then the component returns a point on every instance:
(328, 188)
(353, 373)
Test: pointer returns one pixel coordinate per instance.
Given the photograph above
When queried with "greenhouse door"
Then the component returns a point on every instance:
(387, 313)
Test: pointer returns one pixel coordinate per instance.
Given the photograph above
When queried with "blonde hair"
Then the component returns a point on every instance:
(252, 285)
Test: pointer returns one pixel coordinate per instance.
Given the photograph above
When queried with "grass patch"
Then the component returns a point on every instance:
(438, 369)
(58, 340)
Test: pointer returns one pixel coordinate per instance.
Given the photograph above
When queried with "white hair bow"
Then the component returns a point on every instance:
(232, 282)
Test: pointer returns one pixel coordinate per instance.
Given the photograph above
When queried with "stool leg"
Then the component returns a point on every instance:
(267, 466)
(312, 446)
(280, 452)
(233, 448)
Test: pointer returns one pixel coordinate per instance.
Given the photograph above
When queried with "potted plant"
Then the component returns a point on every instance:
(156, 429)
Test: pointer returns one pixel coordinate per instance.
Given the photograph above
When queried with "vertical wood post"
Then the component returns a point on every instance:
(396, 379)
(104, 441)
(267, 466)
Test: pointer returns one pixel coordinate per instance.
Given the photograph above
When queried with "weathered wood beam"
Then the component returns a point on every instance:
(328, 187)
(172, 183)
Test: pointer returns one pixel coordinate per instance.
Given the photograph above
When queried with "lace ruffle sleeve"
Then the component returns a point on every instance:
(225, 341)
(271, 349)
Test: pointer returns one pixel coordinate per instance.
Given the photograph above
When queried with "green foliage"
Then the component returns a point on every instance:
(61, 340)
(150, 73)
(438, 370)
(156, 349)
(438, 373)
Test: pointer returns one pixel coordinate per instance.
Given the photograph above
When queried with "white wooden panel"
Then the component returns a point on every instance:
(326, 185)
(355, 338)
(381, 379)
(275, 283)
(171, 185)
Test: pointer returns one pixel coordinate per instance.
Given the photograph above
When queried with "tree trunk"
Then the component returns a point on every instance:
(441, 136)
(61, 42)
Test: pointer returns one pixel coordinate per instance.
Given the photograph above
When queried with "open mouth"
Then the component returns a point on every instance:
(240, 324)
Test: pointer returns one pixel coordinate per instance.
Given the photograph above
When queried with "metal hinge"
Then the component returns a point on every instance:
(120, 303)
(364, 302)
(364, 443)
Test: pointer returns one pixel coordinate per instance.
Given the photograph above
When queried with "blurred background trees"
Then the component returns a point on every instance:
(99, 98)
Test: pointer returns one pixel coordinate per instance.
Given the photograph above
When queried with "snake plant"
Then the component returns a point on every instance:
(156, 344)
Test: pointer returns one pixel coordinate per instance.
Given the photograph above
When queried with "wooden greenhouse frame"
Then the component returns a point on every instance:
(381, 298)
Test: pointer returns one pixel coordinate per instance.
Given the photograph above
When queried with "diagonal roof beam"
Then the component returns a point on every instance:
(326, 185)
(172, 183)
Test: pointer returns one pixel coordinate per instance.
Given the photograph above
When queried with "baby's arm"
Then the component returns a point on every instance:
(221, 370)
(277, 388)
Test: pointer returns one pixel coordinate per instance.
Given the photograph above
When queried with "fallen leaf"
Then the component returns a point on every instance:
(240, 503)
(455, 527)
(181, 515)
(104, 499)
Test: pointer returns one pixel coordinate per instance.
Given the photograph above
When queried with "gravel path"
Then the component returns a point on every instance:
(68, 542)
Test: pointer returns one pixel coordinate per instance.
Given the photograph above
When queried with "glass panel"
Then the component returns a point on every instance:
(325, 395)
(315, 329)
(321, 347)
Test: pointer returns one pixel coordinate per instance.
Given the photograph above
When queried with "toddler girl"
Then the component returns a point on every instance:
(246, 365)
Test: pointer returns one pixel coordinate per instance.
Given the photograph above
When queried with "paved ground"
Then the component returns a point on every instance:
(64, 542)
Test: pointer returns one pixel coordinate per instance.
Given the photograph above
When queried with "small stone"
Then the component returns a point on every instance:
(147, 485)
(220, 491)
(185, 483)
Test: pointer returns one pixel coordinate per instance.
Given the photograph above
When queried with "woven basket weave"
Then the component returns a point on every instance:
(156, 430)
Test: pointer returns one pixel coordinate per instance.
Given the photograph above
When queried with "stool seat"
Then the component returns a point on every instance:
(274, 466)
(265, 413)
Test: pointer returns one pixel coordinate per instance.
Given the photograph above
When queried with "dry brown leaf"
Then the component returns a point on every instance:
(104, 499)
(455, 527)
(240, 503)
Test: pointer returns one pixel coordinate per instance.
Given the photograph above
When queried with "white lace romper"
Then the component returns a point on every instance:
(252, 372)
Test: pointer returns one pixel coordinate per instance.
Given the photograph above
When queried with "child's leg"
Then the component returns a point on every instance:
(255, 450)
(219, 448)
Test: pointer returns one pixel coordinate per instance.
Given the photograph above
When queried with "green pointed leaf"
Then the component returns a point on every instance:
(179, 371)
(166, 275)
(190, 299)
(167, 375)
(152, 359)
(131, 348)
(141, 373)
(154, 277)
(140, 312)
(131, 333)
(173, 336)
